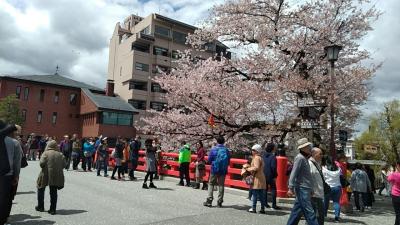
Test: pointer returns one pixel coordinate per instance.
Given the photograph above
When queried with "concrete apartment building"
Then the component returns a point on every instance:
(140, 48)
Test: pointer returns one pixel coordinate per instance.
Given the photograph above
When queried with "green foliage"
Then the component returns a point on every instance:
(384, 131)
(9, 110)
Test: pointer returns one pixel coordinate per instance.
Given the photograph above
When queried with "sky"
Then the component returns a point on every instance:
(38, 35)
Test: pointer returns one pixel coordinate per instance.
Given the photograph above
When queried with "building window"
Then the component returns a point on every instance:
(163, 31)
(179, 37)
(115, 118)
(159, 106)
(72, 99)
(159, 69)
(160, 51)
(142, 67)
(138, 104)
(26, 93)
(23, 115)
(175, 55)
(56, 96)
(54, 118)
(138, 85)
(18, 92)
(157, 88)
(39, 116)
(141, 47)
(41, 95)
(146, 30)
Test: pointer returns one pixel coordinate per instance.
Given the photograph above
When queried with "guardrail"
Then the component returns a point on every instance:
(168, 165)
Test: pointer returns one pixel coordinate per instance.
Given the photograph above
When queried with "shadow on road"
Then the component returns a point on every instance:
(29, 220)
(25, 192)
(165, 189)
(66, 212)
(245, 208)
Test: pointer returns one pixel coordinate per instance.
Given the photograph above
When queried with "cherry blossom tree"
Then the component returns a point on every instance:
(280, 56)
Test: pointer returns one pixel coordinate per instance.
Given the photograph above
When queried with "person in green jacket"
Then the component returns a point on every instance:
(184, 162)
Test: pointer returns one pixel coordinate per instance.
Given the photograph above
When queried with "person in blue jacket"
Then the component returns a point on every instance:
(270, 172)
(88, 150)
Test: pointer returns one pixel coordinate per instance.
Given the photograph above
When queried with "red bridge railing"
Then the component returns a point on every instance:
(168, 165)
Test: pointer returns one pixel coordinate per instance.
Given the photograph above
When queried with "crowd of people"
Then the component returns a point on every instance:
(314, 179)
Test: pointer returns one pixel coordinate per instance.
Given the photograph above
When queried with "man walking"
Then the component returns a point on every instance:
(52, 175)
(219, 160)
(134, 155)
(66, 150)
(184, 162)
(10, 165)
(270, 171)
(301, 184)
(317, 199)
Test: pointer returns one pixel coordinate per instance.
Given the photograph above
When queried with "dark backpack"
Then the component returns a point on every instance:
(221, 162)
(4, 163)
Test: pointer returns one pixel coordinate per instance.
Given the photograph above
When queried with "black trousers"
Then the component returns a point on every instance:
(364, 199)
(53, 197)
(396, 206)
(67, 161)
(271, 184)
(6, 196)
(184, 172)
(119, 169)
(134, 163)
(75, 162)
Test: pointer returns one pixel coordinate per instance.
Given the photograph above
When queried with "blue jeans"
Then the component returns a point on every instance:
(258, 194)
(302, 205)
(335, 194)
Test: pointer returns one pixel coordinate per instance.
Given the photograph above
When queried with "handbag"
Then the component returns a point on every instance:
(201, 166)
(24, 162)
(249, 180)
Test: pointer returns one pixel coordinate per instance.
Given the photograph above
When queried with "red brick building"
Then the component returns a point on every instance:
(56, 105)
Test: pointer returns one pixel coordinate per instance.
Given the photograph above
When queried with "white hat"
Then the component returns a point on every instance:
(256, 148)
(303, 142)
(105, 138)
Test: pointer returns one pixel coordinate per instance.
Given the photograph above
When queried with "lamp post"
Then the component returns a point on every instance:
(332, 53)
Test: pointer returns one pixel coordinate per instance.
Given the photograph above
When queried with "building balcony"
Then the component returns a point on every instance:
(148, 38)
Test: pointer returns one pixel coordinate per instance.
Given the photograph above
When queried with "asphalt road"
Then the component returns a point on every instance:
(88, 199)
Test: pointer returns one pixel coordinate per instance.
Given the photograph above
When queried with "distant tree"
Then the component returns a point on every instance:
(9, 110)
(383, 131)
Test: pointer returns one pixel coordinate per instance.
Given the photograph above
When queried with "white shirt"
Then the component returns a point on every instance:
(332, 178)
(318, 185)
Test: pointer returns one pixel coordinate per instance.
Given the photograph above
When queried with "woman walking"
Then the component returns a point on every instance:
(332, 175)
(118, 156)
(200, 166)
(394, 180)
(384, 180)
(151, 149)
(259, 184)
(76, 149)
(360, 185)
(102, 157)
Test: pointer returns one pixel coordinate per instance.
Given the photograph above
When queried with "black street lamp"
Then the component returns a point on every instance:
(332, 53)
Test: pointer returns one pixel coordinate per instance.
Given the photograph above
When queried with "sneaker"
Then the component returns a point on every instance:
(98, 175)
(113, 178)
(276, 208)
(267, 206)
(39, 209)
(188, 185)
(251, 210)
(132, 178)
(52, 212)
(180, 184)
(207, 203)
(219, 204)
(336, 219)
(145, 186)
(105, 175)
(152, 185)
(262, 211)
